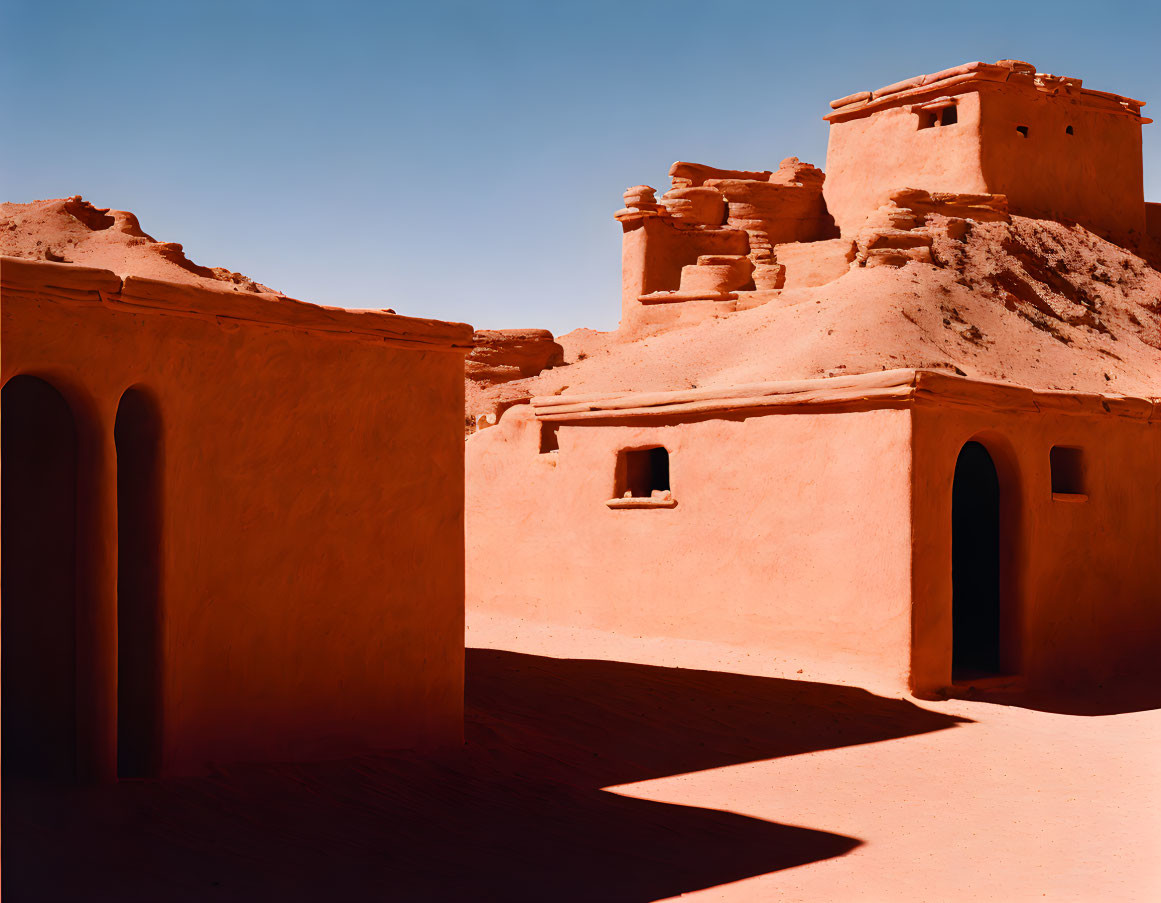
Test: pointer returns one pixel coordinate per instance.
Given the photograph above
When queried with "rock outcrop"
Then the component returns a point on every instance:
(504, 356)
(71, 230)
(904, 227)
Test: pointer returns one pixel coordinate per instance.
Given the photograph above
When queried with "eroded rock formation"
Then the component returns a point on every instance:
(501, 356)
(71, 230)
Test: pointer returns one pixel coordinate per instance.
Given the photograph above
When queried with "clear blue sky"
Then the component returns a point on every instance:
(463, 159)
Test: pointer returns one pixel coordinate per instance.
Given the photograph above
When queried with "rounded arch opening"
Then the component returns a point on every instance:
(38, 572)
(985, 513)
(137, 435)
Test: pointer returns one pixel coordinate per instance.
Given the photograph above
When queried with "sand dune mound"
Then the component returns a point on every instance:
(71, 230)
(1030, 302)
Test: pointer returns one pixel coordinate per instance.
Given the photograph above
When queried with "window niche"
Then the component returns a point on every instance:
(941, 116)
(548, 438)
(1068, 474)
(1022, 131)
(642, 479)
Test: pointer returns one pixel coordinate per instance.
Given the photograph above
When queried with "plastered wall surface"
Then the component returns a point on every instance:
(312, 515)
(1056, 149)
(1093, 175)
(1080, 579)
(800, 504)
(791, 535)
(871, 155)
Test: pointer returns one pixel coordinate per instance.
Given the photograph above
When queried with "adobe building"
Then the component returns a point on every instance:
(984, 128)
(906, 526)
(714, 242)
(232, 527)
(815, 522)
(977, 135)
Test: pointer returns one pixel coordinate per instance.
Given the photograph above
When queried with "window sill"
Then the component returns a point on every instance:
(1069, 497)
(641, 502)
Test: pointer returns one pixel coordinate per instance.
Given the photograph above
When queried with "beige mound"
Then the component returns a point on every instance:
(1030, 302)
(71, 230)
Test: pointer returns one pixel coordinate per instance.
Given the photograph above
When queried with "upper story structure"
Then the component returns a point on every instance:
(1056, 149)
(974, 143)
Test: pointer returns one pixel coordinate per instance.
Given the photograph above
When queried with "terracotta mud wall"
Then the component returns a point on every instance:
(867, 157)
(1153, 220)
(1093, 175)
(773, 516)
(810, 521)
(1056, 149)
(1081, 577)
(311, 542)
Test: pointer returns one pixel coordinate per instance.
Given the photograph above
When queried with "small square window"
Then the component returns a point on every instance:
(927, 119)
(1067, 470)
(643, 471)
(643, 479)
(949, 116)
(1022, 130)
(1069, 131)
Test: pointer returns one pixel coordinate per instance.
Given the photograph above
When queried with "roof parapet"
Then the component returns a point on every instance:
(90, 285)
(887, 388)
(970, 76)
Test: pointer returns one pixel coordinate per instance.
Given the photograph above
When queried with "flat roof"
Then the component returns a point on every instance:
(90, 285)
(863, 391)
(976, 76)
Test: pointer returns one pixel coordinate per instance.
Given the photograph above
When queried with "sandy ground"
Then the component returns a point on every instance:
(606, 768)
(994, 802)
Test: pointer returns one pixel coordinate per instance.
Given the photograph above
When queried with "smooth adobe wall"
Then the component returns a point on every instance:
(1080, 578)
(1093, 175)
(791, 535)
(868, 156)
(311, 547)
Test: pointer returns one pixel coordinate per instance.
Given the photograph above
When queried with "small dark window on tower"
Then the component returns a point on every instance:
(1067, 470)
(927, 119)
(548, 442)
(949, 117)
(643, 471)
(1068, 131)
(1023, 130)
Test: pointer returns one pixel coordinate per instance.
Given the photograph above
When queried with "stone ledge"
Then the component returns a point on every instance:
(76, 284)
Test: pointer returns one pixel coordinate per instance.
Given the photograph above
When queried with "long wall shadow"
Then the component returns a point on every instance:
(517, 816)
(613, 723)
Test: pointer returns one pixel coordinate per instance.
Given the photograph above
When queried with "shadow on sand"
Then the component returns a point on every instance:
(517, 816)
(1140, 695)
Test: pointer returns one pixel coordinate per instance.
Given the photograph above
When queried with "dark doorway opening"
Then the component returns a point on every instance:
(138, 437)
(975, 565)
(39, 576)
(643, 471)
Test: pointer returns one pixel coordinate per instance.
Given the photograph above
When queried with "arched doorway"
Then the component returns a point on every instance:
(975, 565)
(39, 577)
(137, 434)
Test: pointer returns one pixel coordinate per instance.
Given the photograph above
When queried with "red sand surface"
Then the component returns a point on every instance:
(1031, 302)
(610, 768)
